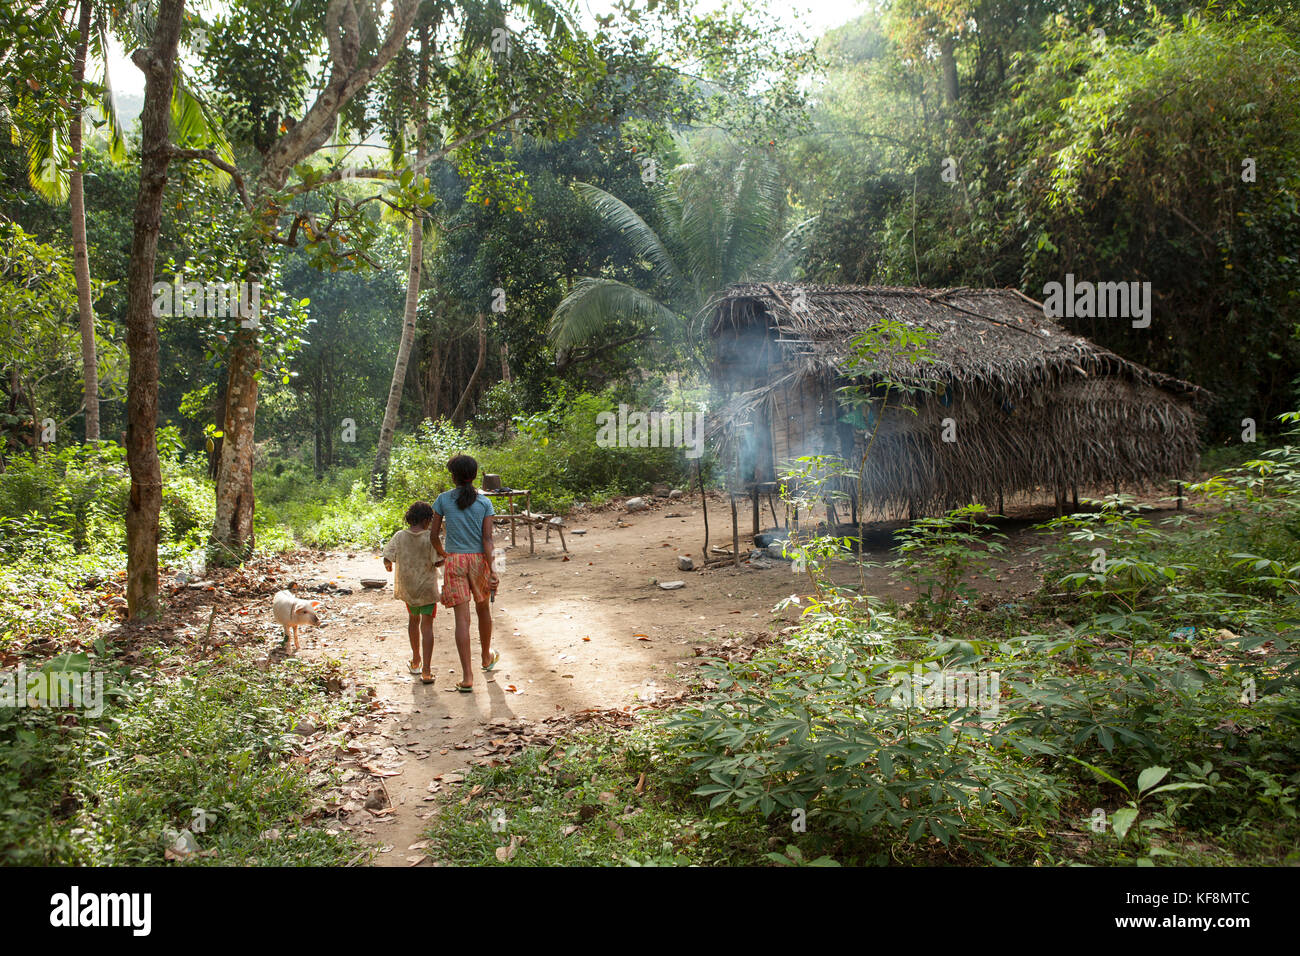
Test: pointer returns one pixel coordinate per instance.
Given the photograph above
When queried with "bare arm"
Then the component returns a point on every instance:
(487, 537)
(435, 531)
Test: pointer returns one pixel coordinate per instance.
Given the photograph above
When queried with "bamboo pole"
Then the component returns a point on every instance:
(735, 531)
(704, 507)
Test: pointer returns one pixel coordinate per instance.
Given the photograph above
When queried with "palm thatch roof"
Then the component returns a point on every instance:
(1033, 405)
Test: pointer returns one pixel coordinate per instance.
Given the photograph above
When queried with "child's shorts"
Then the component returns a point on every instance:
(422, 609)
(465, 576)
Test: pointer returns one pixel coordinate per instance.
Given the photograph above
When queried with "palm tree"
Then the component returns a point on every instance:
(51, 135)
(717, 229)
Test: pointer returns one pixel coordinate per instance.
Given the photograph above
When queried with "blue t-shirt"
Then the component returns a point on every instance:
(464, 534)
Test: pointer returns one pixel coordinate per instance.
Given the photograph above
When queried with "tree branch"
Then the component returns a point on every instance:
(210, 156)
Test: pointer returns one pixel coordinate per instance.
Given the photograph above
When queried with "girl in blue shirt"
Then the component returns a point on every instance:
(467, 575)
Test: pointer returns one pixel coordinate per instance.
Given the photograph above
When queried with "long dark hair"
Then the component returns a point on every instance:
(464, 470)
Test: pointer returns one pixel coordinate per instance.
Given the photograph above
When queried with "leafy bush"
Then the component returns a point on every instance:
(107, 791)
(71, 499)
(838, 735)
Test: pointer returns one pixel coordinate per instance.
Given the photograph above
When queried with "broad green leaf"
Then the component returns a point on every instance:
(1151, 776)
(1122, 821)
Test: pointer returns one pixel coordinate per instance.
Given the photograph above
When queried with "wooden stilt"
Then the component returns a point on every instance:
(1178, 492)
(704, 508)
(1001, 508)
(1074, 496)
(755, 503)
(735, 532)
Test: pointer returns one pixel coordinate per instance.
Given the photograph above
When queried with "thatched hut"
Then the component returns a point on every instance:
(1006, 401)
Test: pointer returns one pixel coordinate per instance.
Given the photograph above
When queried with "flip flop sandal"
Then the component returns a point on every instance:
(465, 688)
(427, 680)
(413, 670)
(496, 659)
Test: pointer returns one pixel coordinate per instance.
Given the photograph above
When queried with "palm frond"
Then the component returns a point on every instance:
(195, 124)
(594, 306)
(753, 217)
(699, 227)
(644, 241)
(781, 259)
(48, 157)
(113, 136)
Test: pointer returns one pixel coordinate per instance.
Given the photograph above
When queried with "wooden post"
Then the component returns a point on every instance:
(735, 531)
(704, 507)
(755, 496)
(1178, 493)
(1074, 495)
(528, 507)
(1001, 508)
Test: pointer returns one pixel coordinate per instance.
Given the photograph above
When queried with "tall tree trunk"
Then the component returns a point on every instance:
(478, 367)
(433, 377)
(948, 60)
(232, 529)
(157, 62)
(80, 257)
(318, 423)
(379, 473)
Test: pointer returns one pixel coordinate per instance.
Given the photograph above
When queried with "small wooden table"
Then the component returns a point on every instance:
(510, 497)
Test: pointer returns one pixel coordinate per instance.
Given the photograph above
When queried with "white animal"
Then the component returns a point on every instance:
(291, 613)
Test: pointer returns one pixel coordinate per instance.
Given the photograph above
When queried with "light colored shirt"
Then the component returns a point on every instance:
(416, 578)
(464, 533)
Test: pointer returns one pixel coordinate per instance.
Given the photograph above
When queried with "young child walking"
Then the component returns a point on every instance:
(467, 515)
(416, 582)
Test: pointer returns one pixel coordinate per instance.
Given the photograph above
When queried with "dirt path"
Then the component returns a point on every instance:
(592, 631)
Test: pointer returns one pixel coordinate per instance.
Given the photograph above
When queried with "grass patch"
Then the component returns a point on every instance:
(176, 737)
(577, 804)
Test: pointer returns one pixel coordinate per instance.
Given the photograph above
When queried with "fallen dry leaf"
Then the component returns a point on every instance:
(507, 853)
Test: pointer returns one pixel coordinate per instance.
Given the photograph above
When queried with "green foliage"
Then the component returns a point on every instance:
(71, 499)
(580, 804)
(835, 733)
(720, 221)
(108, 791)
(938, 554)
